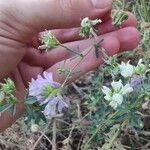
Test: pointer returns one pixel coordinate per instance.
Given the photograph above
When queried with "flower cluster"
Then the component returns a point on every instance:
(6, 90)
(134, 76)
(115, 95)
(7, 99)
(87, 26)
(47, 93)
(128, 70)
(49, 41)
(8, 86)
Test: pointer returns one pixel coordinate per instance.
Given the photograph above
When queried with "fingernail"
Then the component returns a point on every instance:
(101, 3)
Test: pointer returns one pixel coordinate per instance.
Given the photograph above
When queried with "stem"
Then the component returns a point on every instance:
(71, 51)
(143, 2)
(117, 134)
(114, 138)
(54, 135)
(64, 83)
(36, 143)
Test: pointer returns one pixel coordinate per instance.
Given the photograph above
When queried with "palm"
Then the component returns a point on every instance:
(24, 60)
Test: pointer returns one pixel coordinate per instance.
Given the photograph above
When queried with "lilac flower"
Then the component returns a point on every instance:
(54, 106)
(47, 92)
(136, 81)
(37, 86)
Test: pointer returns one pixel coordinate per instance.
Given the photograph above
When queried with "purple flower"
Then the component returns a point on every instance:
(136, 81)
(37, 86)
(54, 106)
(47, 92)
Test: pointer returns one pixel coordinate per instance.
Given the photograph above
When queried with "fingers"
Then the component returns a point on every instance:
(128, 37)
(28, 72)
(38, 15)
(89, 63)
(72, 34)
(67, 35)
(21, 20)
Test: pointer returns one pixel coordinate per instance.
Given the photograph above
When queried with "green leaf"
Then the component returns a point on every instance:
(5, 107)
(14, 110)
(147, 88)
(30, 100)
(136, 121)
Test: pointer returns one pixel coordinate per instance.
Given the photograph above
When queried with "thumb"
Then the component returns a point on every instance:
(38, 15)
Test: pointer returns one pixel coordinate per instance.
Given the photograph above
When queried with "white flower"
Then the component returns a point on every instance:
(140, 61)
(108, 97)
(126, 89)
(126, 69)
(86, 22)
(117, 85)
(87, 26)
(106, 90)
(117, 100)
(115, 95)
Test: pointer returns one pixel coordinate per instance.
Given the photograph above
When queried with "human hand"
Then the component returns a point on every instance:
(22, 21)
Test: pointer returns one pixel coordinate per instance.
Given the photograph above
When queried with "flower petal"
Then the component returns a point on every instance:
(51, 108)
(117, 86)
(62, 104)
(126, 89)
(106, 90)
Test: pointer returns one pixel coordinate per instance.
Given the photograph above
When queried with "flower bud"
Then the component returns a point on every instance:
(141, 68)
(49, 41)
(87, 26)
(8, 87)
(34, 128)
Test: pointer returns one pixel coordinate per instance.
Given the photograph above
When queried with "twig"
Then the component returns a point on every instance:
(36, 143)
(78, 111)
(78, 90)
(70, 135)
(54, 135)
(48, 139)
(78, 148)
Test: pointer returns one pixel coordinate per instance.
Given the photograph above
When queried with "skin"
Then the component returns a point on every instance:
(21, 23)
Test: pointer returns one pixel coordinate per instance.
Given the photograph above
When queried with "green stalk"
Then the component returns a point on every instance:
(71, 51)
(117, 134)
(114, 138)
(66, 80)
(146, 14)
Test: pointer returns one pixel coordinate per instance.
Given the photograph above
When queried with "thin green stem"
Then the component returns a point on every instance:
(114, 138)
(71, 51)
(121, 126)
(145, 10)
(70, 72)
